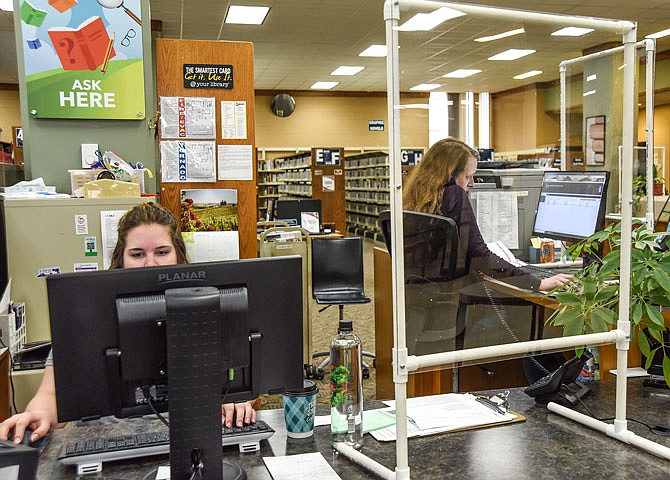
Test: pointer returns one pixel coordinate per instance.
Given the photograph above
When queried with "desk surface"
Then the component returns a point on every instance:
(544, 446)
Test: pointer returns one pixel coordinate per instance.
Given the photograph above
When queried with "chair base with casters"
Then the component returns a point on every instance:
(319, 371)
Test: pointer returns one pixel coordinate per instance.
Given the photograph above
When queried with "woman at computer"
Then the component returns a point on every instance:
(148, 236)
(439, 185)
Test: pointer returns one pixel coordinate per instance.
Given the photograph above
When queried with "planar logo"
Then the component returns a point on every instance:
(181, 276)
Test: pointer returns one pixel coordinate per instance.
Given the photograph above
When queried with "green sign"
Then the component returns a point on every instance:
(83, 59)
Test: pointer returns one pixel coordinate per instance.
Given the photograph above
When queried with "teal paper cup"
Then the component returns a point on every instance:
(299, 410)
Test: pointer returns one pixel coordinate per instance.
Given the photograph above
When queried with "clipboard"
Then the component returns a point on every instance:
(451, 412)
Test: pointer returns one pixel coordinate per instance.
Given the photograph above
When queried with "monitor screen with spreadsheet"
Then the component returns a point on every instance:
(571, 205)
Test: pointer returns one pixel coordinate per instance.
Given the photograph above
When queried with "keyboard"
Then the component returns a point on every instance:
(547, 272)
(108, 449)
(538, 272)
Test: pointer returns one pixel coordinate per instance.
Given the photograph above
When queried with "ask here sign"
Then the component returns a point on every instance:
(83, 59)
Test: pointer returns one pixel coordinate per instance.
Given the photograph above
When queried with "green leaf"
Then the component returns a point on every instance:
(566, 316)
(656, 333)
(606, 293)
(666, 369)
(599, 320)
(574, 327)
(650, 359)
(571, 299)
(636, 311)
(643, 343)
(662, 278)
(655, 315)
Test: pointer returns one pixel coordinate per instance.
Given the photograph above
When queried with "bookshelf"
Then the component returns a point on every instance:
(295, 177)
(367, 189)
(268, 184)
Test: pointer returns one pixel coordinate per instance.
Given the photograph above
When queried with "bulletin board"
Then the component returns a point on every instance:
(206, 90)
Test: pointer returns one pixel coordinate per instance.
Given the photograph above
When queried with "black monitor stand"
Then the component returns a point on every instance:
(194, 344)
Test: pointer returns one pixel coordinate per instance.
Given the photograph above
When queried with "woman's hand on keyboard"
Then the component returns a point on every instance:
(241, 413)
(550, 283)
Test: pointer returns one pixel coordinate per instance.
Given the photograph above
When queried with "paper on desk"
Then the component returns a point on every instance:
(372, 420)
(632, 372)
(307, 466)
(503, 252)
(442, 413)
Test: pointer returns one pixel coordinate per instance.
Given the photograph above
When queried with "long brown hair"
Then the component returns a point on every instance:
(144, 214)
(424, 188)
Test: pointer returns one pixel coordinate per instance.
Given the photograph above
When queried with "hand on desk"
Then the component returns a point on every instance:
(550, 283)
(242, 413)
(37, 420)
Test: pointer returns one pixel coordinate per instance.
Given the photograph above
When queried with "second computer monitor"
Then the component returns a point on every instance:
(571, 205)
(305, 213)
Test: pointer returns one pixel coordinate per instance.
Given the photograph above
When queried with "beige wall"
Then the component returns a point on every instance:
(336, 121)
(661, 133)
(10, 113)
(514, 119)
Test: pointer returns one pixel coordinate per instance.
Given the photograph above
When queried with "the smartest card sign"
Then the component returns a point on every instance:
(410, 157)
(326, 156)
(83, 59)
(208, 76)
(376, 125)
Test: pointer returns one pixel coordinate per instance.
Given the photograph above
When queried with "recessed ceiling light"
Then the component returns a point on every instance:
(344, 70)
(590, 78)
(571, 32)
(532, 73)
(424, 87)
(246, 15)
(662, 33)
(374, 51)
(7, 5)
(590, 92)
(511, 54)
(324, 85)
(510, 33)
(461, 73)
(428, 21)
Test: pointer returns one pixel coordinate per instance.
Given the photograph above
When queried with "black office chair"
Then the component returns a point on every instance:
(430, 248)
(337, 279)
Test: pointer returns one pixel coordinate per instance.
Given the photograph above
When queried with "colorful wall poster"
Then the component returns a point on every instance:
(83, 59)
(209, 209)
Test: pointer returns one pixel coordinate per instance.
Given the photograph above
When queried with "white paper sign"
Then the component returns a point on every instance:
(236, 162)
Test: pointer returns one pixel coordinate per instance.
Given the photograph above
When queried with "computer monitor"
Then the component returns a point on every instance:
(305, 213)
(127, 340)
(571, 205)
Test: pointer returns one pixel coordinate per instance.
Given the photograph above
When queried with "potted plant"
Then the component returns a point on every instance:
(590, 303)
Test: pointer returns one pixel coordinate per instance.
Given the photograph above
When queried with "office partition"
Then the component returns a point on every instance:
(403, 363)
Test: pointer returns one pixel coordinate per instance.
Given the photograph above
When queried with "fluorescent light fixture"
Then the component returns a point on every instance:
(591, 78)
(509, 33)
(511, 54)
(532, 73)
(324, 85)
(374, 51)
(246, 15)
(344, 70)
(425, 87)
(407, 106)
(662, 33)
(461, 73)
(7, 5)
(428, 21)
(571, 32)
(590, 92)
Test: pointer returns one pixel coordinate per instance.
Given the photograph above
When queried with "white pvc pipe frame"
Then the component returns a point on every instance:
(402, 363)
(650, 52)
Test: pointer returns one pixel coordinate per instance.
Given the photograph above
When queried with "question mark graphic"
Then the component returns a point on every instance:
(69, 44)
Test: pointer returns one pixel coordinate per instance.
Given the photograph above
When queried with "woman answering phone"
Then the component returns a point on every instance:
(148, 236)
(439, 185)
